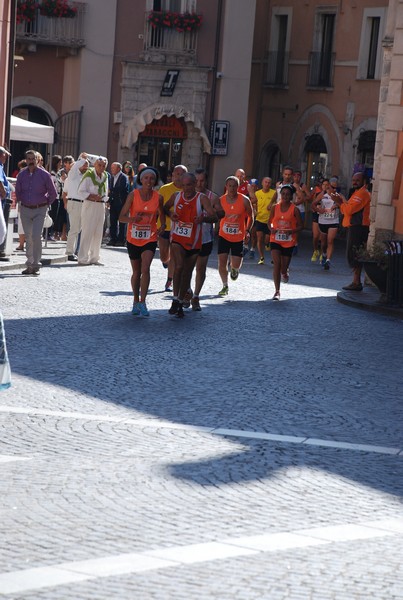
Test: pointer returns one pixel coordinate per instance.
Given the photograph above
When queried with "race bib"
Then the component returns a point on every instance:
(231, 228)
(141, 232)
(329, 215)
(183, 229)
(281, 236)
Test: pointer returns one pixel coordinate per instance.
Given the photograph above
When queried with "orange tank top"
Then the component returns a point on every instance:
(144, 230)
(282, 221)
(233, 224)
(185, 231)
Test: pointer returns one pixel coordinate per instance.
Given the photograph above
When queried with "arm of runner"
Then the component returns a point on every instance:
(315, 204)
(167, 208)
(249, 213)
(211, 216)
(162, 227)
(272, 230)
(300, 224)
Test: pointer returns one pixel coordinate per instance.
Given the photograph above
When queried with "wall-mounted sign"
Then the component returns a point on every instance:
(169, 84)
(219, 138)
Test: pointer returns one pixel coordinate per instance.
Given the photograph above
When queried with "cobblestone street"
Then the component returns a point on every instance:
(250, 451)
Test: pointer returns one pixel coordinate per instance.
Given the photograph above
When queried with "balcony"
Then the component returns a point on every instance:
(277, 69)
(321, 68)
(167, 45)
(53, 31)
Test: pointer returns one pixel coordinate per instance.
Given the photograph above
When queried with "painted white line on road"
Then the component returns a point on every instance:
(5, 458)
(17, 582)
(239, 433)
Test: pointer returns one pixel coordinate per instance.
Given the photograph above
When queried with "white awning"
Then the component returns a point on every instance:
(26, 131)
(136, 125)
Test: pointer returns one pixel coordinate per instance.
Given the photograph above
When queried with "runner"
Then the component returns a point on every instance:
(207, 240)
(164, 243)
(315, 218)
(329, 218)
(235, 227)
(265, 198)
(141, 209)
(190, 210)
(285, 224)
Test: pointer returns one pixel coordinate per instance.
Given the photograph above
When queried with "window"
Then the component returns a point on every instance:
(322, 58)
(370, 58)
(277, 64)
(179, 6)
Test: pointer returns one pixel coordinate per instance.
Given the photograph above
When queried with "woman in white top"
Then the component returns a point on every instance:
(329, 218)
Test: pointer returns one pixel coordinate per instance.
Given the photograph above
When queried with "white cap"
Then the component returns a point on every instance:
(4, 151)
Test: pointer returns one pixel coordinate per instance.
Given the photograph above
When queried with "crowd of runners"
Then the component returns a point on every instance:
(183, 216)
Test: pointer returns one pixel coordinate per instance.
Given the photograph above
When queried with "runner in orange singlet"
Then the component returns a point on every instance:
(235, 228)
(285, 224)
(188, 210)
(140, 211)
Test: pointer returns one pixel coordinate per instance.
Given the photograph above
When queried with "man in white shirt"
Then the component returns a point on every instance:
(74, 201)
(94, 190)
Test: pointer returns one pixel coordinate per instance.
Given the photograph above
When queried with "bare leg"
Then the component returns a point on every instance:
(323, 243)
(260, 243)
(276, 256)
(331, 236)
(201, 266)
(315, 235)
(188, 266)
(135, 279)
(236, 262)
(285, 263)
(178, 254)
(146, 259)
(222, 268)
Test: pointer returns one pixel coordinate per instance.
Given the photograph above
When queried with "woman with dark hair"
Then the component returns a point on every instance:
(127, 169)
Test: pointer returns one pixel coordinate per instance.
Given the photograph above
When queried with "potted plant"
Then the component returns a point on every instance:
(57, 8)
(171, 20)
(374, 259)
(26, 11)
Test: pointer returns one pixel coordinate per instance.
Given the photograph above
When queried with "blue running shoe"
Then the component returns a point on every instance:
(143, 309)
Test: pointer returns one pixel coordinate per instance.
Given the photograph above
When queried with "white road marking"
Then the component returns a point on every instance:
(239, 433)
(17, 582)
(6, 458)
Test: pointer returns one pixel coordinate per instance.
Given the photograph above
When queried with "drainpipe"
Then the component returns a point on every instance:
(215, 68)
(10, 75)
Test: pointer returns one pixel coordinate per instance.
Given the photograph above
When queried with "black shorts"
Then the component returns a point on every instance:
(325, 228)
(263, 227)
(206, 249)
(357, 236)
(165, 235)
(190, 252)
(135, 252)
(315, 217)
(283, 251)
(225, 247)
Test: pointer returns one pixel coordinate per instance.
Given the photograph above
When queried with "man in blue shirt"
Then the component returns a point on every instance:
(4, 193)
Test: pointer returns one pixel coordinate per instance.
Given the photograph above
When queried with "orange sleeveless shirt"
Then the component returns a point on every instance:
(233, 224)
(284, 220)
(186, 232)
(144, 230)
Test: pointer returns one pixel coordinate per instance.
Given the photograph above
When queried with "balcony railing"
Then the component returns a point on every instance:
(166, 44)
(56, 31)
(277, 69)
(321, 68)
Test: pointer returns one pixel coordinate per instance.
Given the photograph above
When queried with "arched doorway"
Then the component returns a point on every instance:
(160, 144)
(18, 148)
(316, 159)
(270, 160)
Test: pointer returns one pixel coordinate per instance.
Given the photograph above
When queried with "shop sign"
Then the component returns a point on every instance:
(168, 87)
(166, 127)
(219, 138)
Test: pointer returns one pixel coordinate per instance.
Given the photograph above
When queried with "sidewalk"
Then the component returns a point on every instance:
(54, 252)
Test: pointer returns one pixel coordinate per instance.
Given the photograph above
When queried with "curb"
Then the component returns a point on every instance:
(10, 265)
(368, 300)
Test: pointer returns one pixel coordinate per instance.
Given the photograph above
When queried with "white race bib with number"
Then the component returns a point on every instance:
(141, 232)
(281, 236)
(329, 215)
(183, 229)
(231, 228)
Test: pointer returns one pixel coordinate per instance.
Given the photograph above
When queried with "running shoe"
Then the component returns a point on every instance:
(261, 260)
(195, 304)
(143, 309)
(251, 254)
(187, 298)
(245, 250)
(135, 309)
(165, 265)
(174, 307)
(323, 259)
(224, 291)
(168, 285)
(267, 246)
(285, 277)
(326, 266)
(276, 296)
(180, 314)
(234, 274)
(315, 255)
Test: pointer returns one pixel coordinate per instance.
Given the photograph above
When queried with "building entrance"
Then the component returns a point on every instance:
(160, 144)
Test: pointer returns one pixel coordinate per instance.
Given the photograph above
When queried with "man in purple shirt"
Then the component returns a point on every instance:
(35, 191)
